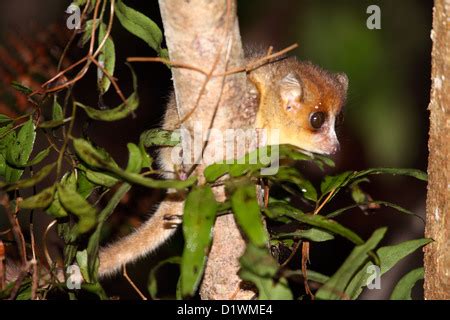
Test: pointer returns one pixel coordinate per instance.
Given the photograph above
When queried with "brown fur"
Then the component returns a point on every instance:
(320, 91)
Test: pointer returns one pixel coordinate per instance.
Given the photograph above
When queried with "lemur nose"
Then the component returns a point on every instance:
(336, 147)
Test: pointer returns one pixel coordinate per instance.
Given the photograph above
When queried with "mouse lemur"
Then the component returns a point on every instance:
(299, 99)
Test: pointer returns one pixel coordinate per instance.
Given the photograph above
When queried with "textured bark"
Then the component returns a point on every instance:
(437, 254)
(195, 32)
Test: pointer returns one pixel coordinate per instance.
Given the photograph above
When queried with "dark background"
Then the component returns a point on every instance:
(386, 117)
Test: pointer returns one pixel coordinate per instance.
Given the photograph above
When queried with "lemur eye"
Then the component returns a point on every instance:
(317, 119)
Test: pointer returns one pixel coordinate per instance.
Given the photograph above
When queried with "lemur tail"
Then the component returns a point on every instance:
(145, 239)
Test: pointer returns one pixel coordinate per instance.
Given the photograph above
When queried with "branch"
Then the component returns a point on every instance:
(437, 254)
(205, 34)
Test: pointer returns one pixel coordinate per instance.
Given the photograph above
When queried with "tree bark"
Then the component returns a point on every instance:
(205, 34)
(437, 254)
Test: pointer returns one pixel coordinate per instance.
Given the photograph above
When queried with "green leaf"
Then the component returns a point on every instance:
(41, 200)
(358, 195)
(335, 287)
(248, 215)
(215, 171)
(117, 113)
(93, 244)
(57, 111)
(24, 293)
(90, 155)
(27, 183)
(160, 137)
(139, 25)
(84, 185)
(312, 234)
(107, 59)
(19, 152)
(250, 163)
(290, 152)
(135, 159)
(389, 257)
(263, 157)
(317, 277)
(5, 119)
(402, 290)
(82, 262)
(21, 88)
(293, 153)
(290, 174)
(259, 267)
(80, 3)
(383, 203)
(39, 157)
(153, 183)
(88, 32)
(281, 209)
(311, 275)
(152, 280)
(55, 209)
(96, 159)
(96, 289)
(198, 220)
(335, 182)
(7, 138)
(51, 124)
(418, 174)
(99, 178)
(134, 165)
(77, 205)
(146, 159)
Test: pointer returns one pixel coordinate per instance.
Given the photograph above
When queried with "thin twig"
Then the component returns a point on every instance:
(247, 68)
(305, 261)
(17, 232)
(306, 248)
(34, 279)
(259, 62)
(324, 202)
(72, 38)
(66, 140)
(44, 240)
(88, 58)
(168, 62)
(125, 274)
(2, 233)
(111, 78)
(61, 73)
(293, 252)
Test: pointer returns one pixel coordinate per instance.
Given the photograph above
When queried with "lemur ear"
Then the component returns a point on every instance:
(291, 91)
(343, 80)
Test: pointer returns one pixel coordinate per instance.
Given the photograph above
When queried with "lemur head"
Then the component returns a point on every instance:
(302, 101)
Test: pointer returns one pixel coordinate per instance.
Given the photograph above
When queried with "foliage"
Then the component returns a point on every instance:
(79, 218)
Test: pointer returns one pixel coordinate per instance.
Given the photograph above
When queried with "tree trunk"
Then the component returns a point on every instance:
(437, 254)
(205, 34)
